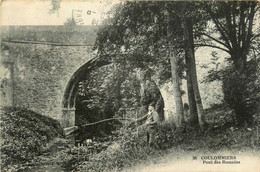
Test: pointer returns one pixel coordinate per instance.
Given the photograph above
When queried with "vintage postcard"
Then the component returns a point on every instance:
(115, 85)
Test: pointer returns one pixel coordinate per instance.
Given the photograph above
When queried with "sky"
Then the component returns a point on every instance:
(37, 12)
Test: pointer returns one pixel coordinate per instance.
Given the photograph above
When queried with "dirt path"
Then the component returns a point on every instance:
(180, 161)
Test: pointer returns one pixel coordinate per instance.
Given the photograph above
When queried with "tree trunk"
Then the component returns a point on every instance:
(143, 108)
(238, 86)
(191, 98)
(189, 50)
(142, 94)
(159, 106)
(179, 117)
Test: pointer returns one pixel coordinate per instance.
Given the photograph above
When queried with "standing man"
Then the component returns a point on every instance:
(152, 123)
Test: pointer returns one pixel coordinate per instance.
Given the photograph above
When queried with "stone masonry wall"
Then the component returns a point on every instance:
(41, 73)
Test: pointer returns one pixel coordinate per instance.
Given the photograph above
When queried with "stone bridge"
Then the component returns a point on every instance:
(42, 65)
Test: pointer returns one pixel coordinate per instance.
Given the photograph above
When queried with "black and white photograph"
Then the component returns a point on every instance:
(129, 86)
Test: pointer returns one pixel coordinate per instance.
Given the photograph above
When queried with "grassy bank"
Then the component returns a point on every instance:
(24, 134)
(129, 148)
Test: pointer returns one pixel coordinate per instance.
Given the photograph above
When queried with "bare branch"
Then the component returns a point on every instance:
(219, 26)
(241, 25)
(45, 43)
(215, 39)
(251, 19)
(256, 36)
(212, 46)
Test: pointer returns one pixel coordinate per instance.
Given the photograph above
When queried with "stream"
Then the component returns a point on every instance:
(52, 160)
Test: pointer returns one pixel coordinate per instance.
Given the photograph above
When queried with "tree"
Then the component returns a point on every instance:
(69, 23)
(191, 98)
(55, 6)
(234, 21)
(185, 14)
(139, 32)
(190, 14)
(176, 90)
(173, 55)
(192, 73)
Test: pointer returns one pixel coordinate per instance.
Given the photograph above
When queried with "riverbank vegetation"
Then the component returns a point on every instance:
(130, 147)
(24, 134)
(124, 148)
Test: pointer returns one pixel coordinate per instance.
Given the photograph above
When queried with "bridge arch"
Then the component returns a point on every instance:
(70, 93)
(68, 114)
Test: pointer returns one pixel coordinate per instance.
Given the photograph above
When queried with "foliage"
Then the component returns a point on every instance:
(24, 134)
(140, 37)
(129, 147)
(69, 23)
(110, 87)
(149, 39)
(114, 90)
(106, 92)
(55, 7)
(240, 91)
(234, 23)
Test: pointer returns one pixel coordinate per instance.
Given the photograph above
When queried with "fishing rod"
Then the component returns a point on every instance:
(70, 130)
(108, 119)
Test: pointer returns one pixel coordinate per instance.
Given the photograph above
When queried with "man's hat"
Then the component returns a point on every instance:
(151, 104)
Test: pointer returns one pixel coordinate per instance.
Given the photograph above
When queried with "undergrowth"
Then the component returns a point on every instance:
(130, 147)
(24, 134)
(126, 147)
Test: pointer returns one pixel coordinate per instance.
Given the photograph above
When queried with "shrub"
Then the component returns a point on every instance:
(241, 90)
(23, 135)
(129, 147)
